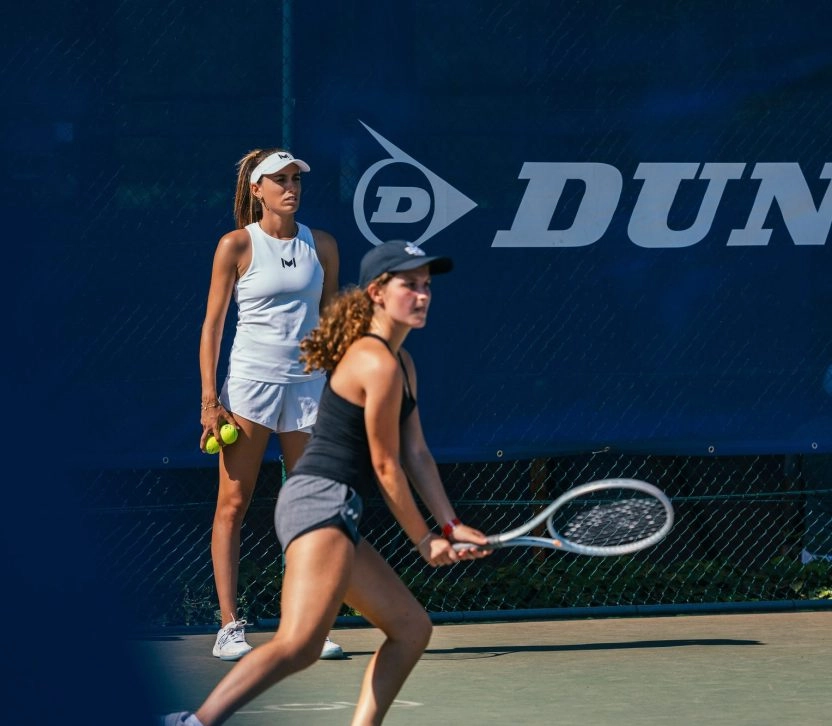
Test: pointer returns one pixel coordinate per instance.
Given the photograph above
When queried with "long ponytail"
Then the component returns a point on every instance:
(247, 208)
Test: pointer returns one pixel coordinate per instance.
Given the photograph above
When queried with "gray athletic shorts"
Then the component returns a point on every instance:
(277, 406)
(307, 502)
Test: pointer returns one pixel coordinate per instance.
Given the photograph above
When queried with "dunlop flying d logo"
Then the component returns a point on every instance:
(407, 205)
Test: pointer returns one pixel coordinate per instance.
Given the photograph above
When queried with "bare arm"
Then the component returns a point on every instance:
(232, 253)
(370, 377)
(327, 249)
(383, 395)
(424, 474)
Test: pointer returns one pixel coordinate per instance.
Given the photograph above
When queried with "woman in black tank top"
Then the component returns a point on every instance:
(368, 424)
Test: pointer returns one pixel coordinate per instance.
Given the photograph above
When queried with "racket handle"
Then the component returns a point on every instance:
(459, 546)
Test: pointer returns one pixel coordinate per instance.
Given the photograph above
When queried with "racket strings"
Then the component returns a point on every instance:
(612, 523)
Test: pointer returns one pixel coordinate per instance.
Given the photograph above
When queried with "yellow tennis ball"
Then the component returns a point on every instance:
(212, 446)
(228, 434)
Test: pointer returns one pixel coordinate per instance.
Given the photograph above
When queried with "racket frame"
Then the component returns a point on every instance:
(519, 536)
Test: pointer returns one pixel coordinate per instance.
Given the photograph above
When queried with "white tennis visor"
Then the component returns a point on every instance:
(274, 163)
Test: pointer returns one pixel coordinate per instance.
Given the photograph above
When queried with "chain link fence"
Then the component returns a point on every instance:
(122, 123)
(749, 529)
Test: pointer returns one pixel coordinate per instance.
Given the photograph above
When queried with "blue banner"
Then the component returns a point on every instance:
(638, 204)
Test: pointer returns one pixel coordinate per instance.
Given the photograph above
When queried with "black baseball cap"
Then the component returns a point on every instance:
(399, 256)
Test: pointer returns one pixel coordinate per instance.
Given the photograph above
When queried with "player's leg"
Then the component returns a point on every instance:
(291, 446)
(239, 465)
(376, 592)
(318, 568)
(299, 410)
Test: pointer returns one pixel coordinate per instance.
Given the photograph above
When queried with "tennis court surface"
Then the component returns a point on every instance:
(758, 668)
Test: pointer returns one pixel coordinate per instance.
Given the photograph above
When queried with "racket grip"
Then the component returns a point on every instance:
(459, 546)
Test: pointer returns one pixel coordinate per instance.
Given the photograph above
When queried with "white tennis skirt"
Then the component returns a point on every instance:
(277, 406)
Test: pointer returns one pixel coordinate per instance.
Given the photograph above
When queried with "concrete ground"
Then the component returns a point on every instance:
(755, 669)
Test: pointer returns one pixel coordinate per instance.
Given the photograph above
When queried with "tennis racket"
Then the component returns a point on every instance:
(608, 517)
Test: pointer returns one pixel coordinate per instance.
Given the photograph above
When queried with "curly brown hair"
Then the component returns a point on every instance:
(346, 319)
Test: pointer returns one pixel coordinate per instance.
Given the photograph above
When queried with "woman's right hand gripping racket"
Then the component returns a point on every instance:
(602, 518)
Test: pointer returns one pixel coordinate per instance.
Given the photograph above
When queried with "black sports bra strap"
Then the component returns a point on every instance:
(407, 390)
(378, 337)
(401, 363)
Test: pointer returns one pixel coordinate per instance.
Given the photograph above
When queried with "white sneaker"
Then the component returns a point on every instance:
(183, 718)
(331, 651)
(231, 641)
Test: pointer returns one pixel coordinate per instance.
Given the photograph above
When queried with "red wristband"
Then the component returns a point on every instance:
(450, 526)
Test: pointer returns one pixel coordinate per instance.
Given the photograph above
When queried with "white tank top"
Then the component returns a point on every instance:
(278, 303)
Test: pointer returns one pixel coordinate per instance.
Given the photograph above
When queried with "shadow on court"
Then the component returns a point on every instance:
(766, 668)
(511, 649)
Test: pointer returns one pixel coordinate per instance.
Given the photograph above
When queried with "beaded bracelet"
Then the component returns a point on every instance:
(215, 404)
(448, 528)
